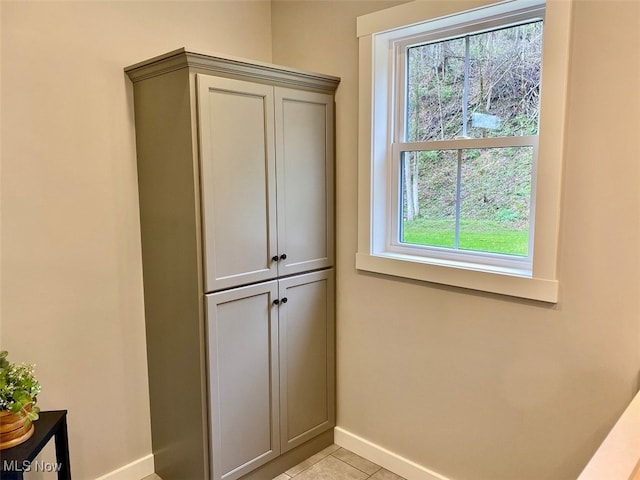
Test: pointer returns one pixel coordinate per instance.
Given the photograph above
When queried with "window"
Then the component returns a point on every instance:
(456, 184)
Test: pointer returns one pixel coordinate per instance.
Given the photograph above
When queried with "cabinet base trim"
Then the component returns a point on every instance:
(383, 457)
(135, 470)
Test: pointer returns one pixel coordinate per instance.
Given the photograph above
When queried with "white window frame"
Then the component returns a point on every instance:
(379, 34)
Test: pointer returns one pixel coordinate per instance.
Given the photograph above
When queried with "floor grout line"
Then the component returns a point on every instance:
(334, 449)
(369, 475)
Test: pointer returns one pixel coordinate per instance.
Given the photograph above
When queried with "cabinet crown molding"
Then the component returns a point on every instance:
(234, 67)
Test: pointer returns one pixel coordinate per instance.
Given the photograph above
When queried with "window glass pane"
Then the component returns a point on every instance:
(502, 97)
(435, 83)
(494, 199)
(428, 183)
(495, 194)
(504, 81)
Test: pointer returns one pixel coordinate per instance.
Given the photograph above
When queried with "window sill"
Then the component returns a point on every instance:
(500, 282)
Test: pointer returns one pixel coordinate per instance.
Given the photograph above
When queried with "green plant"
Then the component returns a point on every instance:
(18, 388)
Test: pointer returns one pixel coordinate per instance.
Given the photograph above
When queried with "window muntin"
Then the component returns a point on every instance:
(477, 90)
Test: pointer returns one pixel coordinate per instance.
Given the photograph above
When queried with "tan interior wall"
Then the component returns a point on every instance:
(473, 386)
(484, 387)
(71, 260)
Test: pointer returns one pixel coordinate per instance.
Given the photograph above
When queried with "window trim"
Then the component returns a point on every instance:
(376, 134)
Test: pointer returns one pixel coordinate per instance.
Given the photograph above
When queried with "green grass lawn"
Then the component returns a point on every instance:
(478, 235)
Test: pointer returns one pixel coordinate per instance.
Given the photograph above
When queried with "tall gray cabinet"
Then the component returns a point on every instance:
(235, 174)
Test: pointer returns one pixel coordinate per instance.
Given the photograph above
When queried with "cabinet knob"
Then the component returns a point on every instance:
(276, 301)
(284, 300)
(283, 256)
(274, 258)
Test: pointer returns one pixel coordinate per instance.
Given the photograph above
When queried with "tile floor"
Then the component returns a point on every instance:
(336, 463)
(332, 463)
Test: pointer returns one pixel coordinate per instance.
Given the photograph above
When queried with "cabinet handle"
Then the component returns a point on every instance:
(274, 258)
(283, 256)
(276, 301)
(285, 300)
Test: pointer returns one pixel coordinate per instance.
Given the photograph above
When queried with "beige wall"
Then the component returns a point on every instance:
(484, 387)
(71, 261)
(474, 386)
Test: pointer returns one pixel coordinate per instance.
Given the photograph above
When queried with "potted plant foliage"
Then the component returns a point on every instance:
(18, 391)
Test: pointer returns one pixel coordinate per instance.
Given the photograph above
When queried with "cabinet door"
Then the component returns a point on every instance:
(304, 153)
(307, 357)
(237, 156)
(243, 373)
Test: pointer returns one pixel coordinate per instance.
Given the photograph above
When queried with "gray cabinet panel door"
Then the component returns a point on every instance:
(304, 159)
(307, 359)
(237, 156)
(243, 371)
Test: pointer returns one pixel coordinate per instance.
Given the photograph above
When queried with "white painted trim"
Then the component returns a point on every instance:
(385, 458)
(136, 470)
(447, 273)
(377, 185)
(417, 12)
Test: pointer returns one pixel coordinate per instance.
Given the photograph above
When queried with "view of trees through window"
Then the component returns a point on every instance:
(479, 86)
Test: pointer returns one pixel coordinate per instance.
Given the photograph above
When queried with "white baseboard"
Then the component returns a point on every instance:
(136, 470)
(383, 457)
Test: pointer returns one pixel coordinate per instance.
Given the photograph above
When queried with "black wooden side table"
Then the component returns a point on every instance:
(15, 461)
